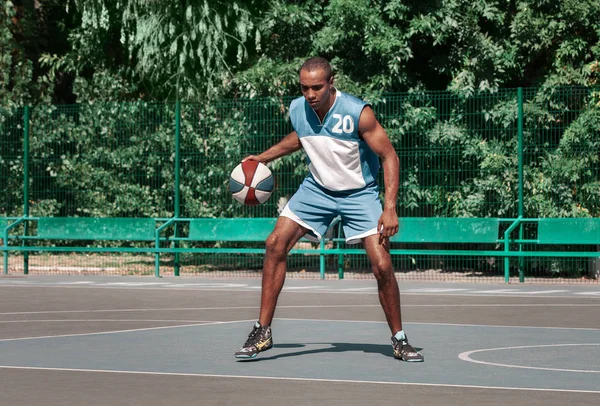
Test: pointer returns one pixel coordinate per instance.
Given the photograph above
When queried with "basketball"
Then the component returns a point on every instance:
(251, 183)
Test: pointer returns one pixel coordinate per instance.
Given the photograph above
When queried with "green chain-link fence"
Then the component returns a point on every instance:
(459, 157)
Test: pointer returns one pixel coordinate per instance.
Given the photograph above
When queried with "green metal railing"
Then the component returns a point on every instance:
(516, 153)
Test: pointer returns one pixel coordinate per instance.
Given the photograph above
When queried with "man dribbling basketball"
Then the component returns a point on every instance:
(344, 142)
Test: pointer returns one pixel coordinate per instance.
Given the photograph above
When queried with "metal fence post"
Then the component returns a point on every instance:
(26, 184)
(177, 180)
(521, 180)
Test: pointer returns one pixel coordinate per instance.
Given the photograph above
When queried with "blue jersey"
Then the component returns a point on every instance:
(338, 159)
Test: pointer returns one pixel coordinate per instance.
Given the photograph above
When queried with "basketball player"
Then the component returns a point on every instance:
(344, 143)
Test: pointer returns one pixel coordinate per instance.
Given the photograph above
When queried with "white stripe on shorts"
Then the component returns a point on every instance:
(355, 239)
(286, 212)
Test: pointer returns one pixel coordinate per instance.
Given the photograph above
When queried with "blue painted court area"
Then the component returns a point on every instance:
(516, 357)
(148, 345)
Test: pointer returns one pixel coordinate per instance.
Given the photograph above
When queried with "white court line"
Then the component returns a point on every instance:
(508, 305)
(106, 320)
(206, 285)
(498, 291)
(128, 310)
(443, 324)
(466, 356)
(125, 331)
(520, 292)
(131, 284)
(296, 319)
(278, 378)
(468, 293)
(434, 290)
(541, 292)
(512, 295)
(162, 309)
(77, 283)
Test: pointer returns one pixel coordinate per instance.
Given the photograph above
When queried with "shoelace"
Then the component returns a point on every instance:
(406, 347)
(403, 344)
(252, 336)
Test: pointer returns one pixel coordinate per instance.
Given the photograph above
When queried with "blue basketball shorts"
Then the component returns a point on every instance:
(314, 208)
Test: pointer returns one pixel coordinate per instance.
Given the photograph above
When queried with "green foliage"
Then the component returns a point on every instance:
(562, 176)
(240, 61)
(438, 74)
(463, 46)
(11, 163)
(163, 50)
(459, 156)
(16, 70)
(201, 50)
(106, 160)
(267, 78)
(556, 41)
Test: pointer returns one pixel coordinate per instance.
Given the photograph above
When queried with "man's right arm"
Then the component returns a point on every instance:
(290, 143)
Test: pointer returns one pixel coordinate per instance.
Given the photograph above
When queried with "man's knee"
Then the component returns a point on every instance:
(382, 268)
(276, 245)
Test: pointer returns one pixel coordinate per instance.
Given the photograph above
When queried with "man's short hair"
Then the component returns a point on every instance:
(317, 63)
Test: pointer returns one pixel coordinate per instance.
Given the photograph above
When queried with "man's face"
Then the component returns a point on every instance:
(316, 88)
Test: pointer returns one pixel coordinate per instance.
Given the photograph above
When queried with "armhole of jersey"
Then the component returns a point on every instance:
(292, 115)
(360, 137)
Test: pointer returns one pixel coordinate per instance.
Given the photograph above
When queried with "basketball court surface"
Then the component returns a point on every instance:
(170, 341)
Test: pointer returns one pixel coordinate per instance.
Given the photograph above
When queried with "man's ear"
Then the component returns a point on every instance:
(331, 82)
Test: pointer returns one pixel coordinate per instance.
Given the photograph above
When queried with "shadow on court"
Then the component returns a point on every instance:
(385, 350)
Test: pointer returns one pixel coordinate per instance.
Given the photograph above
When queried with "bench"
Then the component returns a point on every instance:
(149, 230)
(87, 228)
(559, 232)
(78, 229)
(5, 224)
(439, 231)
(239, 230)
(569, 231)
(447, 230)
(550, 231)
(413, 230)
(236, 229)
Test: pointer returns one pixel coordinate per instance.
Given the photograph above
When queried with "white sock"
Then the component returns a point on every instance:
(400, 335)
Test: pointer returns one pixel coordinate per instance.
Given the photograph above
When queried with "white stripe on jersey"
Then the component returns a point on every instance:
(335, 164)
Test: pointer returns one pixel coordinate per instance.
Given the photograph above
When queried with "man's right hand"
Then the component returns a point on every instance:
(251, 158)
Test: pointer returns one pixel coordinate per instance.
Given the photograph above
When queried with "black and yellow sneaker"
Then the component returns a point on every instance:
(259, 340)
(404, 351)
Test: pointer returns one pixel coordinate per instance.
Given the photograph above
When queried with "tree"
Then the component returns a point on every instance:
(16, 69)
(156, 49)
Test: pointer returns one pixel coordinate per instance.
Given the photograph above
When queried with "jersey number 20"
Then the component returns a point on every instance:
(344, 123)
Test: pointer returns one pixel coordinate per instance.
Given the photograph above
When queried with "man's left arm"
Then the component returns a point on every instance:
(377, 139)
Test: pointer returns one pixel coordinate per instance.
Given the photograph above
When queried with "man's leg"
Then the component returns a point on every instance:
(387, 286)
(286, 233)
(389, 295)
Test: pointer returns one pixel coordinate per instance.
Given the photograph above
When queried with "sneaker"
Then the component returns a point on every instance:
(259, 340)
(405, 352)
